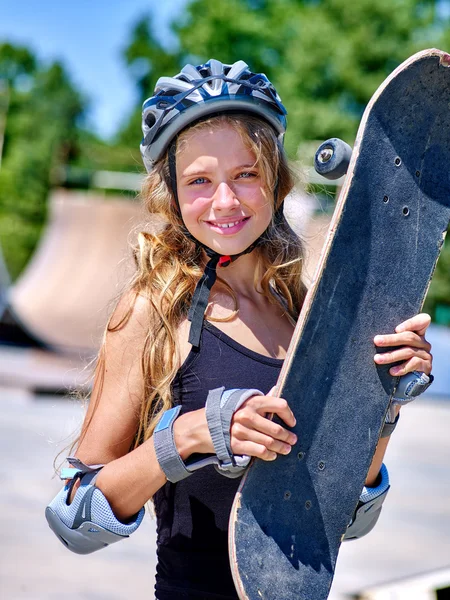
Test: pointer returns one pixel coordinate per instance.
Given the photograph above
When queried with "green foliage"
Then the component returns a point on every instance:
(40, 115)
(325, 57)
(96, 154)
(147, 60)
(15, 61)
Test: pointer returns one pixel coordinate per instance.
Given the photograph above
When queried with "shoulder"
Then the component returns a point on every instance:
(131, 321)
(135, 321)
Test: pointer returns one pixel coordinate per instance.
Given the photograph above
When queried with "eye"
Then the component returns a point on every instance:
(247, 175)
(198, 181)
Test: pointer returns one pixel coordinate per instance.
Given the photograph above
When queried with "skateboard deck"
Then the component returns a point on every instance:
(289, 516)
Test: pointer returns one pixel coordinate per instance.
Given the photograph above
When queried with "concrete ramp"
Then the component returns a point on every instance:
(63, 298)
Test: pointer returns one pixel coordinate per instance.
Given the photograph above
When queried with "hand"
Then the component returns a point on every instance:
(253, 434)
(414, 350)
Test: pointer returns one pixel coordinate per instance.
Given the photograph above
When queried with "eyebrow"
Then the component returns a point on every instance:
(203, 172)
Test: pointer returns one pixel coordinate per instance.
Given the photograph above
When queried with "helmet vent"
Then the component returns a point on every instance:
(150, 120)
(169, 93)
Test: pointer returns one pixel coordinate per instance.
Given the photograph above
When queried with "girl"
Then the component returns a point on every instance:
(195, 346)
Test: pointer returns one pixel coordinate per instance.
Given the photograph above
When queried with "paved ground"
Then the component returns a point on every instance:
(412, 536)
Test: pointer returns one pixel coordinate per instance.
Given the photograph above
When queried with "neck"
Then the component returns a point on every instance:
(240, 274)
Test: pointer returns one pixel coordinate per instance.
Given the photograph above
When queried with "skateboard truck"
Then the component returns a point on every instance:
(332, 158)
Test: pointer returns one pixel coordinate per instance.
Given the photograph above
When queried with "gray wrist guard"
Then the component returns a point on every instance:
(408, 388)
(220, 407)
(173, 466)
(88, 523)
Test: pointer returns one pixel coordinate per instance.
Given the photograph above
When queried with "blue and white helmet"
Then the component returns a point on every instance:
(205, 90)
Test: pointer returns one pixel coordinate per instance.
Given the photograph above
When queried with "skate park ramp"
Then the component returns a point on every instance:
(53, 317)
(81, 264)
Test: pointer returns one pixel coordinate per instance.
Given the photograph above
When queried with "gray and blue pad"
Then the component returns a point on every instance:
(369, 508)
(88, 523)
(167, 454)
(410, 386)
(166, 451)
(221, 405)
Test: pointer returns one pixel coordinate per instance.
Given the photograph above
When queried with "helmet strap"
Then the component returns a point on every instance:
(173, 172)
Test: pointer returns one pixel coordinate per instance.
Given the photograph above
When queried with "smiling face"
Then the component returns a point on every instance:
(222, 195)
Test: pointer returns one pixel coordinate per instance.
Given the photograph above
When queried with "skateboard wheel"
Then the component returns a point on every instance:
(332, 158)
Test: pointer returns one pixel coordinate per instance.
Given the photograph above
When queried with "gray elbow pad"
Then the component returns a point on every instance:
(88, 523)
(369, 508)
(365, 518)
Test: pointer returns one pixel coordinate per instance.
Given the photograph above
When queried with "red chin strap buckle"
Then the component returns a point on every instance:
(224, 261)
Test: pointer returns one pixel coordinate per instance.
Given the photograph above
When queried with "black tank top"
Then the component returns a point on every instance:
(192, 515)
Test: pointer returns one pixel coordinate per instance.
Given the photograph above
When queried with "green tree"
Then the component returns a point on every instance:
(326, 57)
(41, 134)
(16, 66)
(146, 59)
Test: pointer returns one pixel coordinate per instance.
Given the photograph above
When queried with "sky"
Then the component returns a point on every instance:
(88, 36)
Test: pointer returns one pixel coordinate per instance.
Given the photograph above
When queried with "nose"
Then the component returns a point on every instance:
(224, 197)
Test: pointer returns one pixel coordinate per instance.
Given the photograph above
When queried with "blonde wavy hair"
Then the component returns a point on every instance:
(169, 265)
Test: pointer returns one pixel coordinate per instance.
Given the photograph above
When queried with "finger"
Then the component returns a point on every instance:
(404, 353)
(419, 323)
(252, 449)
(414, 364)
(407, 338)
(269, 428)
(273, 405)
(273, 392)
(243, 434)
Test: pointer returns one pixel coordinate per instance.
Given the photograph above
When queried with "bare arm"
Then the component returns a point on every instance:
(129, 479)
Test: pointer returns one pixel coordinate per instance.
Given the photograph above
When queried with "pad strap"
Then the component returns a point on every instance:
(388, 428)
(78, 468)
(166, 451)
(220, 408)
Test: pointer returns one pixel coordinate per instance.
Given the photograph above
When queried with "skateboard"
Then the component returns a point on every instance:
(289, 516)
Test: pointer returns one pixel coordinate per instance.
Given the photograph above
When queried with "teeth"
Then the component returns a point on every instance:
(226, 225)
